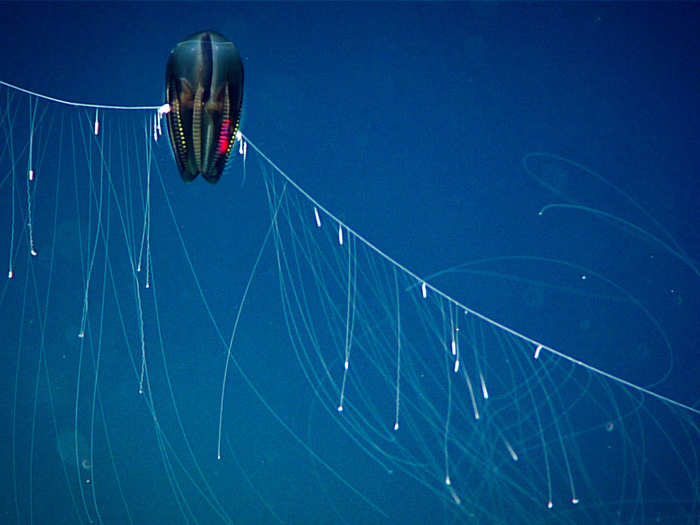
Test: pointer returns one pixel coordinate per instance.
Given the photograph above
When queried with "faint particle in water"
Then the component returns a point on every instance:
(676, 297)
(609, 426)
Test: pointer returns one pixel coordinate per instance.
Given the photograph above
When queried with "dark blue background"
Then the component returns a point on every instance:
(411, 121)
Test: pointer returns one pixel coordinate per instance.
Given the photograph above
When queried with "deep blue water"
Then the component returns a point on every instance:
(410, 122)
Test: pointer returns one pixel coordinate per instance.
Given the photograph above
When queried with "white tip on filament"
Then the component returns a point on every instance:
(97, 121)
(537, 351)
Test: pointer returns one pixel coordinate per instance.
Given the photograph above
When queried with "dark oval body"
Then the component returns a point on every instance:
(204, 87)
